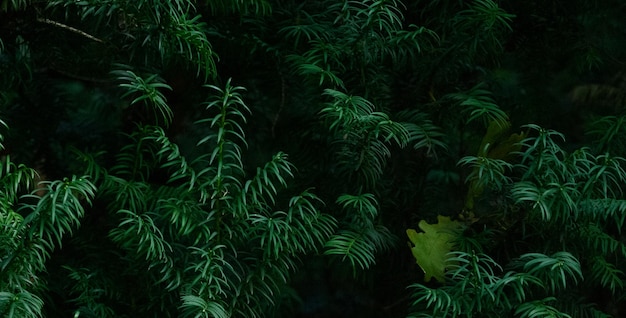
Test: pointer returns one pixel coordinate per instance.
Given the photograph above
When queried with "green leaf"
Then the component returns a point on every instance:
(194, 306)
(431, 248)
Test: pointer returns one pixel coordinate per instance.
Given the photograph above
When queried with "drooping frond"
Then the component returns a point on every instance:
(478, 103)
(146, 91)
(362, 237)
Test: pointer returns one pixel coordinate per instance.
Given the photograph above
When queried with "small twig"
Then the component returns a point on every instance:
(282, 103)
(69, 28)
(396, 303)
(79, 77)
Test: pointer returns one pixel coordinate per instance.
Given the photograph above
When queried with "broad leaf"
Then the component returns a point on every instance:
(431, 247)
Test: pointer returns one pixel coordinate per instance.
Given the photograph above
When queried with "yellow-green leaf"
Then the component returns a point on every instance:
(431, 247)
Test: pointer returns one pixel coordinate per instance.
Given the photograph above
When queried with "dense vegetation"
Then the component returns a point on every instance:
(277, 158)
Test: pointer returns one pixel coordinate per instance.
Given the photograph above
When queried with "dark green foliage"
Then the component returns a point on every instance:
(263, 158)
(212, 237)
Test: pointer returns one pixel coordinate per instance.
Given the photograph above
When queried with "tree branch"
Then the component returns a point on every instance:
(69, 28)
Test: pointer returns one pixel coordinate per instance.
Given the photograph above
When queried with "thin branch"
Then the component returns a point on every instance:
(282, 103)
(69, 28)
(401, 301)
(79, 77)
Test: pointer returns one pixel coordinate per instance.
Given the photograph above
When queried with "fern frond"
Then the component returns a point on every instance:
(23, 261)
(474, 279)
(604, 210)
(537, 198)
(138, 232)
(352, 246)
(362, 209)
(225, 164)
(547, 139)
(487, 172)
(259, 288)
(539, 308)
(14, 5)
(135, 160)
(197, 307)
(405, 45)
(488, 14)
(385, 16)
(23, 304)
(464, 265)
(146, 90)
(364, 157)
(609, 174)
(553, 201)
(185, 218)
(89, 290)
(211, 273)
(479, 103)
(274, 233)
(390, 130)
(426, 135)
(312, 228)
(124, 194)
(2, 123)
(27, 243)
(325, 73)
(576, 308)
(306, 31)
(93, 169)
(262, 188)
(542, 155)
(607, 274)
(59, 210)
(188, 38)
(359, 246)
(608, 132)
(437, 301)
(597, 239)
(556, 270)
(172, 159)
(345, 110)
(517, 286)
(363, 135)
(490, 19)
(91, 9)
(257, 7)
(599, 95)
(14, 179)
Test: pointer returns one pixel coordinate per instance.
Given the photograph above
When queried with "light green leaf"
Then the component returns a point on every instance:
(431, 247)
